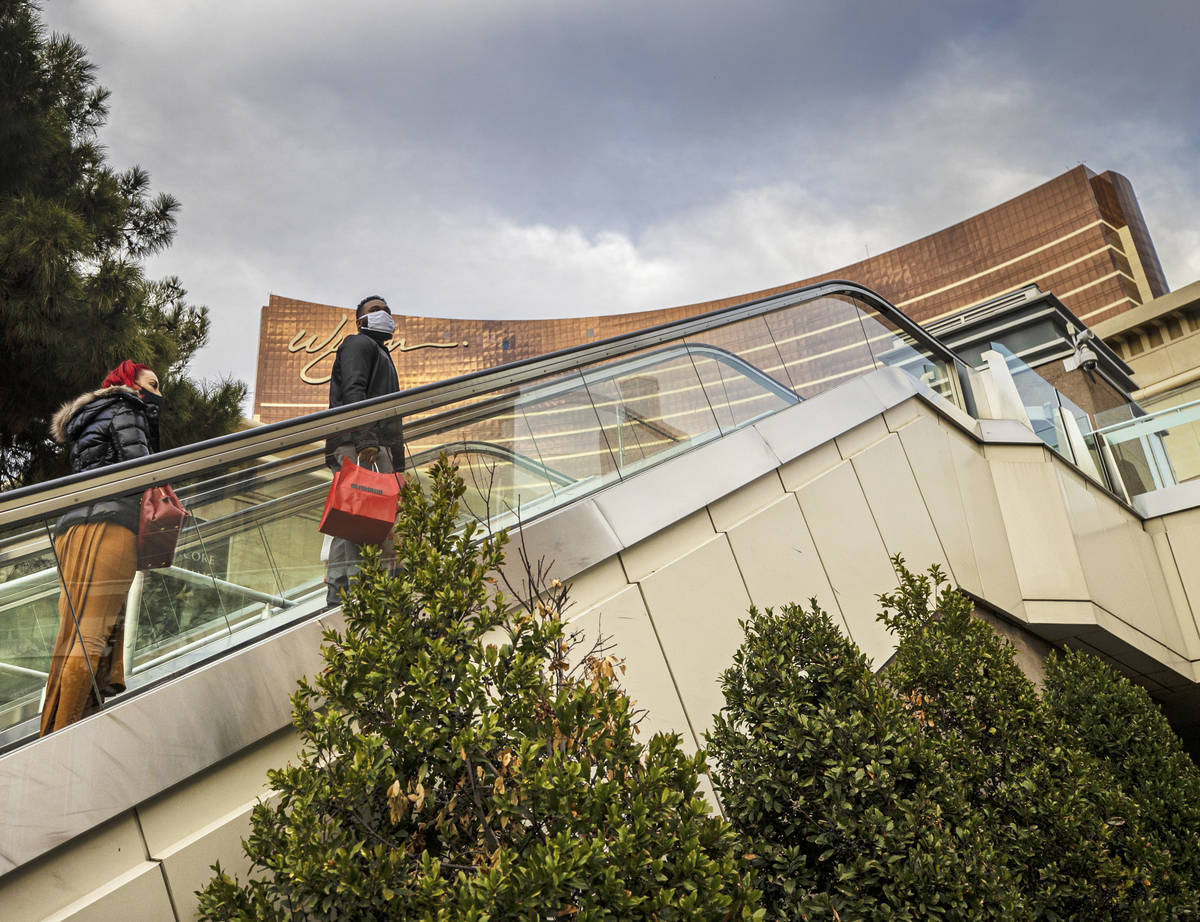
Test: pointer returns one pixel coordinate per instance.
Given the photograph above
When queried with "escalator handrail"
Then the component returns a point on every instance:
(242, 480)
(53, 497)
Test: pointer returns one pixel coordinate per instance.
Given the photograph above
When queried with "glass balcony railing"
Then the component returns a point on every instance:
(528, 438)
(1126, 450)
(1056, 419)
(1154, 450)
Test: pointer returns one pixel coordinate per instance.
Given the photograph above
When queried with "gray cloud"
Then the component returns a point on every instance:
(534, 158)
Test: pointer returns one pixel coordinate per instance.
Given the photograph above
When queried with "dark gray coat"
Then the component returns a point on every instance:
(105, 427)
(363, 369)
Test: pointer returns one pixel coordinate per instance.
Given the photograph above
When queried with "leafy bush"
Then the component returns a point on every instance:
(843, 804)
(462, 762)
(1075, 842)
(946, 786)
(1117, 722)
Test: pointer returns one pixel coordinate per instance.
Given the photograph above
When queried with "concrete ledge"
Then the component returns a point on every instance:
(662, 495)
(1168, 500)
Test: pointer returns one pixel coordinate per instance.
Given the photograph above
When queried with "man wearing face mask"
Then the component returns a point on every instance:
(363, 369)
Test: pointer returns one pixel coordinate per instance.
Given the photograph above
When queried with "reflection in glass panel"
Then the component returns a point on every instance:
(29, 622)
(1133, 458)
(1180, 432)
(1084, 424)
(890, 345)
(249, 553)
(742, 372)
(1040, 401)
(497, 454)
(821, 344)
(651, 405)
(1117, 414)
(1136, 466)
(569, 437)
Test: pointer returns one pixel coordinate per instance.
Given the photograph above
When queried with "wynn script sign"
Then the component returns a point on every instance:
(324, 349)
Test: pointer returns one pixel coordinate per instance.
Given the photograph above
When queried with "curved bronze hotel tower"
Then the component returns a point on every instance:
(1080, 236)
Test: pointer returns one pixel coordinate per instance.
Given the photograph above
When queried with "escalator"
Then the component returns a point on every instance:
(529, 438)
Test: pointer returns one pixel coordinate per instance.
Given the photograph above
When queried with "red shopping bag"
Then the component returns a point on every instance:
(361, 505)
(160, 521)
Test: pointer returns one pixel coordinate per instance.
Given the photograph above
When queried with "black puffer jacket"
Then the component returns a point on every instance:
(105, 427)
(363, 369)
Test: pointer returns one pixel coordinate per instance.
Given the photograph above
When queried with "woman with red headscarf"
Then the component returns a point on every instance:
(96, 544)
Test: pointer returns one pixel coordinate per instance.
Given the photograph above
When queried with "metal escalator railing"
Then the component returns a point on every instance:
(529, 437)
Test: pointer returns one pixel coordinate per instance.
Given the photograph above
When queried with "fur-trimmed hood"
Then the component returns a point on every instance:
(70, 409)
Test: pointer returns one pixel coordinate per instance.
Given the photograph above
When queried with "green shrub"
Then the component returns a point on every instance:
(464, 763)
(946, 786)
(844, 806)
(1118, 723)
(1074, 841)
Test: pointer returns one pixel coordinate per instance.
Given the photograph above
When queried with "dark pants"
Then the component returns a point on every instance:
(345, 557)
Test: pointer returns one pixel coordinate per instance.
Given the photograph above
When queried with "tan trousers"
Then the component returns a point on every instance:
(97, 563)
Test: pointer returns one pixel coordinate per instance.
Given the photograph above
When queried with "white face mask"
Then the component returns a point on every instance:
(379, 322)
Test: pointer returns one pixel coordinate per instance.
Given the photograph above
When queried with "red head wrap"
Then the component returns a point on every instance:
(126, 373)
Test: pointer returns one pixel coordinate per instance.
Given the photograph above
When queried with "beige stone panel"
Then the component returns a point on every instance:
(695, 603)
(595, 583)
(1034, 452)
(861, 437)
(666, 546)
(853, 554)
(74, 870)
(809, 466)
(897, 417)
(897, 505)
(1183, 538)
(138, 894)
(927, 448)
(1120, 564)
(187, 865)
(1058, 620)
(988, 536)
(778, 559)
(176, 814)
(1107, 552)
(647, 678)
(1153, 366)
(1185, 616)
(727, 511)
(1175, 630)
(1039, 530)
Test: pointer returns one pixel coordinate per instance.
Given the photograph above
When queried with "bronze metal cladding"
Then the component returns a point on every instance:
(1080, 236)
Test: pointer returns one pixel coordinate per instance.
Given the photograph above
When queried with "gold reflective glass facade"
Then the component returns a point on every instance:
(1080, 236)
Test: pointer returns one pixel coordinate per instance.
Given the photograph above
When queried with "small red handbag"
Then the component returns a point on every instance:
(361, 505)
(159, 525)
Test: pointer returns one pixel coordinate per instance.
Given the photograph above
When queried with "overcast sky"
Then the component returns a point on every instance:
(531, 158)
